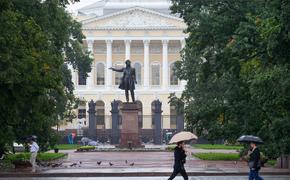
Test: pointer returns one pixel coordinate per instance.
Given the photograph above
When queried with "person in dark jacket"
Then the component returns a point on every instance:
(179, 161)
(254, 163)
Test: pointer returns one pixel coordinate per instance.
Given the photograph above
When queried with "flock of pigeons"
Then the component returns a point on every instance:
(99, 163)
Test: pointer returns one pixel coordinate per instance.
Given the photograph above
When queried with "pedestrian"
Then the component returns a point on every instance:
(254, 162)
(33, 150)
(179, 161)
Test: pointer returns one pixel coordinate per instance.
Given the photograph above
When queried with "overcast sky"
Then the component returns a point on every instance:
(74, 7)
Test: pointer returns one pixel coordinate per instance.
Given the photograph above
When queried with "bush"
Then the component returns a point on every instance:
(218, 146)
(86, 148)
(67, 146)
(217, 156)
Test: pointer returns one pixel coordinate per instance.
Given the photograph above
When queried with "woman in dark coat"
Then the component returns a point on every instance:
(179, 161)
(254, 163)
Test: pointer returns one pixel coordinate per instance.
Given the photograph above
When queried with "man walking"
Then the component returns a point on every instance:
(33, 150)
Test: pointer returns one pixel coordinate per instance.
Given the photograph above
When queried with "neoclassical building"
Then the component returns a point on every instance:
(143, 31)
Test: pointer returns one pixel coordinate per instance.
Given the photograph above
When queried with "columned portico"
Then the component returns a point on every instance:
(146, 63)
(109, 64)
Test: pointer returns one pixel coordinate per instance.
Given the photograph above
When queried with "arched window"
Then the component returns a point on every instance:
(100, 114)
(100, 74)
(155, 74)
(137, 67)
(173, 77)
(173, 116)
(118, 75)
(82, 78)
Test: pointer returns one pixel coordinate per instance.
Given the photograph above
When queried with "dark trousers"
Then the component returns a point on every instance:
(254, 175)
(181, 171)
(132, 95)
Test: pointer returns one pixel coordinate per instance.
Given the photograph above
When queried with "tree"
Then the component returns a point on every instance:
(37, 40)
(236, 62)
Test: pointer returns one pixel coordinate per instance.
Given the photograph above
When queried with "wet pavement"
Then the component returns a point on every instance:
(154, 178)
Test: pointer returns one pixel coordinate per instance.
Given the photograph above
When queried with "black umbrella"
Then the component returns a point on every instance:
(249, 139)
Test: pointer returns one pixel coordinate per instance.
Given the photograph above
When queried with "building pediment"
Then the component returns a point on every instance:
(135, 18)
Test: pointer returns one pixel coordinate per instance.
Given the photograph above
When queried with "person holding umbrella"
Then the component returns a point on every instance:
(254, 153)
(254, 162)
(179, 161)
(179, 153)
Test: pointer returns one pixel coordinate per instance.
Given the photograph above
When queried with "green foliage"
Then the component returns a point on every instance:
(217, 146)
(217, 156)
(37, 40)
(236, 63)
(67, 146)
(170, 147)
(86, 148)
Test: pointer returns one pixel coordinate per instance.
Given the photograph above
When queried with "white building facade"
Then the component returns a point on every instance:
(144, 32)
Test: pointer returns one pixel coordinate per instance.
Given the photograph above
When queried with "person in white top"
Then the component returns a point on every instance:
(33, 150)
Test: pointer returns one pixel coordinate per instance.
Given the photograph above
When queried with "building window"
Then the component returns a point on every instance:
(82, 78)
(100, 113)
(173, 77)
(137, 67)
(118, 75)
(100, 74)
(81, 113)
(155, 74)
(173, 117)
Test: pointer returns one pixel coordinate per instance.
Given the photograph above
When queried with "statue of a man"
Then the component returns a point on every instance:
(128, 80)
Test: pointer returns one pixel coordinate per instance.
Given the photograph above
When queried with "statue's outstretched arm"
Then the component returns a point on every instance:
(117, 70)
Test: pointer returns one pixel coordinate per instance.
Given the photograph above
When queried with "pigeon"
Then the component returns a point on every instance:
(99, 162)
(111, 164)
(56, 165)
(73, 164)
(132, 164)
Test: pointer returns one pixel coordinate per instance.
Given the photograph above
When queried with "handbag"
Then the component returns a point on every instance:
(251, 164)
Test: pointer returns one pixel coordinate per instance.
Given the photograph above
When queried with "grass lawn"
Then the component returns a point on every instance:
(67, 146)
(217, 156)
(40, 156)
(217, 146)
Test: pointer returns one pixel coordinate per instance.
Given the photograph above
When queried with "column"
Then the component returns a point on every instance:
(165, 64)
(90, 78)
(128, 49)
(146, 63)
(183, 82)
(109, 64)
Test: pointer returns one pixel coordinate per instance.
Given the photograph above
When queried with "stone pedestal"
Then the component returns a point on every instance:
(130, 130)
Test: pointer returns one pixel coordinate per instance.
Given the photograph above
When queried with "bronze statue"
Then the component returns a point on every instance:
(128, 80)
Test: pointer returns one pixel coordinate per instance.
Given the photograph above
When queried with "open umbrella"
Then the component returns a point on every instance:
(249, 139)
(182, 136)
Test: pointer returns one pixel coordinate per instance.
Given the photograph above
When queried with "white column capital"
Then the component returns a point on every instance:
(165, 42)
(90, 42)
(127, 41)
(109, 41)
(146, 42)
